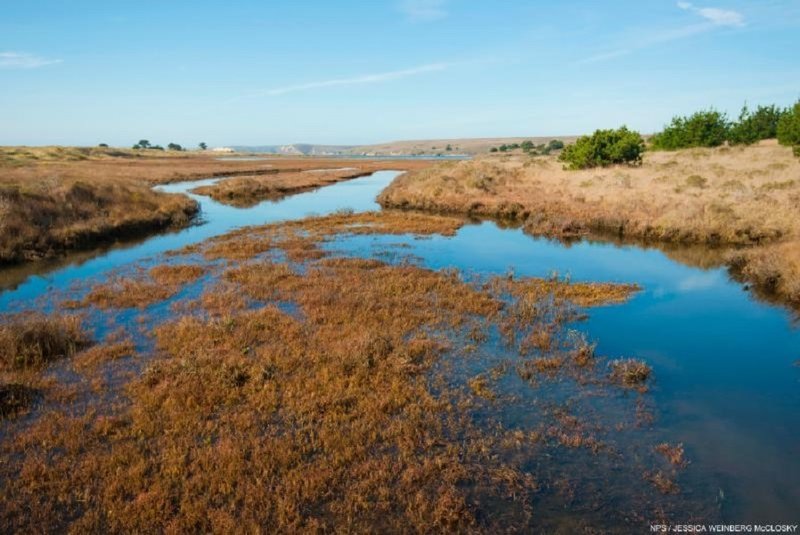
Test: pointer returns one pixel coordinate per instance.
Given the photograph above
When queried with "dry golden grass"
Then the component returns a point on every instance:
(333, 418)
(724, 196)
(736, 195)
(773, 269)
(58, 199)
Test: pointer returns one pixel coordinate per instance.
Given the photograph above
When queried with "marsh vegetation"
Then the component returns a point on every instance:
(300, 389)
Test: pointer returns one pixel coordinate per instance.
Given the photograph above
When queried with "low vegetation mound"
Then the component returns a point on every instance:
(604, 148)
(249, 191)
(31, 340)
(47, 218)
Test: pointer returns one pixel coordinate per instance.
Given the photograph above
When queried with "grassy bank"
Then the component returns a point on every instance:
(59, 199)
(741, 196)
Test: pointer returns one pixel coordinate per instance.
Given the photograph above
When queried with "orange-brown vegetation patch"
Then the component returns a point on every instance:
(140, 290)
(631, 373)
(104, 353)
(176, 273)
(128, 293)
(31, 340)
(673, 453)
(250, 190)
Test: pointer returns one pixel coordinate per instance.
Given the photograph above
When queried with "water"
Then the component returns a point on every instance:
(726, 380)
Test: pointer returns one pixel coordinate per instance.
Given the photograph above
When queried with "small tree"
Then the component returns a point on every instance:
(604, 147)
(493, 149)
(448, 148)
(143, 144)
(503, 147)
(527, 145)
(788, 129)
(174, 146)
(701, 129)
(202, 145)
(103, 145)
(555, 144)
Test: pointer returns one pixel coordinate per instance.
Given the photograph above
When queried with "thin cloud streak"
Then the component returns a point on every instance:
(423, 10)
(22, 60)
(356, 80)
(715, 18)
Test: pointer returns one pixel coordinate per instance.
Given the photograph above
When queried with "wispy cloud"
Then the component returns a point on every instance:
(21, 60)
(355, 80)
(714, 18)
(423, 10)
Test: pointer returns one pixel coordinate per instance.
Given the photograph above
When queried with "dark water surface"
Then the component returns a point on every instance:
(726, 380)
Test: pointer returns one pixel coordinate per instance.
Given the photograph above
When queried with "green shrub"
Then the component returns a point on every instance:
(701, 129)
(604, 147)
(789, 127)
(755, 126)
(555, 144)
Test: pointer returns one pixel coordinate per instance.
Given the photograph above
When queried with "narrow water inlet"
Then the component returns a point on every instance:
(725, 382)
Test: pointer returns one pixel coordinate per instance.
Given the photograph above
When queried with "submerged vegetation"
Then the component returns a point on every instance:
(303, 390)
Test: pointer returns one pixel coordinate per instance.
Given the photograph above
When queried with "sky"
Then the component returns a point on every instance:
(262, 72)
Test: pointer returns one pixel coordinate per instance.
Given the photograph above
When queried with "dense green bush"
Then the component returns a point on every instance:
(604, 147)
(701, 129)
(756, 125)
(788, 130)
(555, 144)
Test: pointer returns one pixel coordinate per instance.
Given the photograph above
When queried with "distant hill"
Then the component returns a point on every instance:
(447, 146)
(400, 148)
(297, 149)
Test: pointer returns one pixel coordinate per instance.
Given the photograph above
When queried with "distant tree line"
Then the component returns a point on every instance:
(711, 128)
(144, 144)
(708, 128)
(529, 147)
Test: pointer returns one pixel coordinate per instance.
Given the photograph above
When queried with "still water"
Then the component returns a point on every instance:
(726, 378)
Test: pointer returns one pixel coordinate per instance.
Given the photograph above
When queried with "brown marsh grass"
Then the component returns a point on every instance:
(32, 340)
(59, 199)
(250, 190)
(335, 415)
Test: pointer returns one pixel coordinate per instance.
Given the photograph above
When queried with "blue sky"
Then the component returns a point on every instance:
(357, 72)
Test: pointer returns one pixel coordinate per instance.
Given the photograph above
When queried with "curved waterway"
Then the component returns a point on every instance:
(725, 364)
